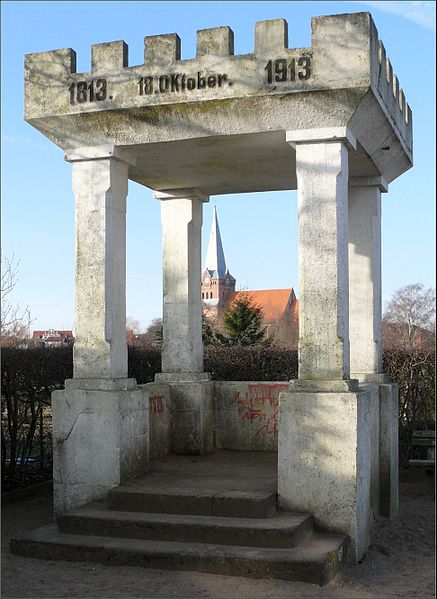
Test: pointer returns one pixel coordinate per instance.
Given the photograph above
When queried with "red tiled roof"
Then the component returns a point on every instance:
(51, 333)
(274, 302)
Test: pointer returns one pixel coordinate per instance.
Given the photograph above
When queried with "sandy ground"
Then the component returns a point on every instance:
(400, 563)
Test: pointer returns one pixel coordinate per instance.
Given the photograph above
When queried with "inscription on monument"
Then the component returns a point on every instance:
(283, 70)
(278, 70)
(179, 82)
(88, 91)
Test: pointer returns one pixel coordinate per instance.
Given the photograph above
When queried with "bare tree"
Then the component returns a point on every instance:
(14, 320)
(132, 330)
(409, 318)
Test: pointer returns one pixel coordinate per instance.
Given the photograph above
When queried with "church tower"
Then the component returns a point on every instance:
(217, 283)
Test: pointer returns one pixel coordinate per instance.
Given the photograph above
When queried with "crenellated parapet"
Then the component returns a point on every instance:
(335, 82)
(388, 89)
(54, 87)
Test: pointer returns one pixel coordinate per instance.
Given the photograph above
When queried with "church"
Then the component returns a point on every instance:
(280, 307)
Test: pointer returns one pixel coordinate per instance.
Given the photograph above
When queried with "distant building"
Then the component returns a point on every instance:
(280, 306)
(52, 338)
(396, 336)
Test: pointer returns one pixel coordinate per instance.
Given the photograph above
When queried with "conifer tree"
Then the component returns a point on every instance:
(243, 322)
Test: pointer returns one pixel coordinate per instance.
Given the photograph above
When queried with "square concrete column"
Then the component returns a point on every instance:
(182, 347)
(100, 420)
(181, 217)
(365, 324)
(100, 182)
(365, 310)
(325, 422)
(322, 176)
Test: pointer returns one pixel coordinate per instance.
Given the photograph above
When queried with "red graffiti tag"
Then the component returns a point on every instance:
(156, 404)
(261, 403)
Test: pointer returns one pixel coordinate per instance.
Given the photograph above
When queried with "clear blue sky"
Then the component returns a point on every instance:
(259, 231)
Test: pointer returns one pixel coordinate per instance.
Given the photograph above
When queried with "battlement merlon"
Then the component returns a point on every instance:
(345, 56)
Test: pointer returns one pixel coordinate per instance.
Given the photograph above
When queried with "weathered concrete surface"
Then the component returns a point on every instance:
(373, 393)
(325, 461)
(322, 172)
(317, 561)
(284, 529)
(228, 109)
(229, 524)
(388, 450)
(181, 217)
(365, 303)
(100, 189)
(246, 414)
(192, 417)
(159, 419)
(100, 439)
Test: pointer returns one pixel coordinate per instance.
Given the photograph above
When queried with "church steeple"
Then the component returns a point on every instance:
(215, 257)
(217, 282)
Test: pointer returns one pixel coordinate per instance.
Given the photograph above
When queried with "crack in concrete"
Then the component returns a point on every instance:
(62, 440)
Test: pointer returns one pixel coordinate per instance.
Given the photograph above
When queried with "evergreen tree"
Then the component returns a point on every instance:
(243, 322)
(209, 335)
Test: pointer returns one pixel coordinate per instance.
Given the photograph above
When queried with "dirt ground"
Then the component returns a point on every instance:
(400, 563)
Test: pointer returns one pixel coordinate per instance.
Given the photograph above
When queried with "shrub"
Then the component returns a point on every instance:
(414, 371)
(30, 375)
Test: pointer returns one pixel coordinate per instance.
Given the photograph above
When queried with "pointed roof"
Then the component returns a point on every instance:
(215, 258)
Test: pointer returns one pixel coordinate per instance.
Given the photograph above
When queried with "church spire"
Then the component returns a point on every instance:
(215, 258)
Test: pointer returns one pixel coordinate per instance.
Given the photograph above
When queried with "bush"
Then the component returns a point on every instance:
(414, 371)
(252, 363)
(30, 375)
(28, 378)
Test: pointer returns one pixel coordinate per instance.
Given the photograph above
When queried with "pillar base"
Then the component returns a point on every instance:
(182, 377)
(388, 450)
(324, 462)
(100, 439)
(103, 384)
(367, 377)
(192, 412)
(323, 385)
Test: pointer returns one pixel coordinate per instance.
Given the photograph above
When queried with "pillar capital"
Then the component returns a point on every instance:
(186, 193)
(321, 135)
(87, 153)
(379, 182)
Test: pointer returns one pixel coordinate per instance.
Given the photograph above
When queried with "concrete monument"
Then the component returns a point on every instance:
(329, 120)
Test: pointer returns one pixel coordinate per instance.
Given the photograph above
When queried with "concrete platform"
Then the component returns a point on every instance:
(224, 483)
(215, 513)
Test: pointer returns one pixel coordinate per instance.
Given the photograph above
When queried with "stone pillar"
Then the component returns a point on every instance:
(100, 420)
(365, 322)
(181, 217)
(322, 175)
(182, 347)
(100, 184)
(325, 420)
(365, 311)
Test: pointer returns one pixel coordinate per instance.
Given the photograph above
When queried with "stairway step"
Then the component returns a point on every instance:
(139, 497)
(316, 560)
(285, 529)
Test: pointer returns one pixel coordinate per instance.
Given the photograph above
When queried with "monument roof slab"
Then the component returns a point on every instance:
(225, 116)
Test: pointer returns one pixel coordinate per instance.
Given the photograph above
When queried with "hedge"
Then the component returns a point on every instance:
(30, 375)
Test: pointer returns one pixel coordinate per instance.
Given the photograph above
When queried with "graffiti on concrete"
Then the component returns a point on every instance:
(260, 405)
(156, 404)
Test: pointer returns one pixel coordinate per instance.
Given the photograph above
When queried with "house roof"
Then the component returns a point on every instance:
(274, 302)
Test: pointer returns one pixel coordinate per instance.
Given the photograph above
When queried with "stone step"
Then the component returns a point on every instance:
(285, 529)
(140, 497)
(316, 560)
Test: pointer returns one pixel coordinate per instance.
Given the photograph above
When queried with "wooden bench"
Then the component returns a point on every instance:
(425, 439)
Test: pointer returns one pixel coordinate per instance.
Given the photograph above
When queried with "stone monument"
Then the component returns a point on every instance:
(329, 120)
